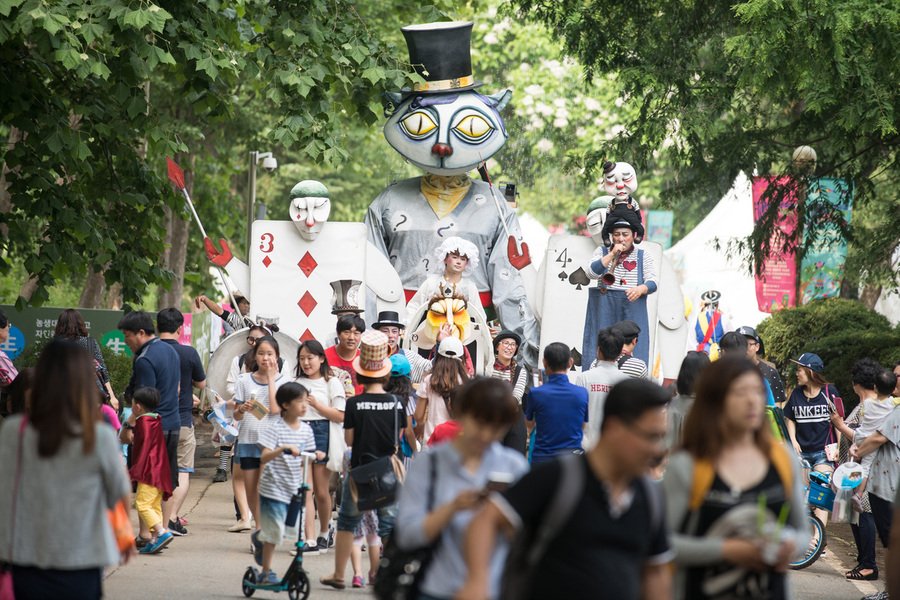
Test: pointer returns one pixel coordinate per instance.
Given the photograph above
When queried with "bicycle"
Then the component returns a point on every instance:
(821, 496)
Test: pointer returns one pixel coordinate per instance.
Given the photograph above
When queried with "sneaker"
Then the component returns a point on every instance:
(182, 520)
(157, 543)
(310, 548)
(140, 542)
(358, 582)
(220, 476)
(269, 578)
(177, 528)
(331, 533)
(877, 596)
(322, 544)
(257, 547)
(240, 526)
(371, 578)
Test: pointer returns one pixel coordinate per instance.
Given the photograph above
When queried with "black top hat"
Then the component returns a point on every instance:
(441, 54)
(388, 318)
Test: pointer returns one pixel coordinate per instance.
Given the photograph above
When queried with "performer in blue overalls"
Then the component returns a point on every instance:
(626, 275)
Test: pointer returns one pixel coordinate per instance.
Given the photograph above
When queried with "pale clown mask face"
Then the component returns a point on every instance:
(621, 182)
(309, 214)
(447, 134)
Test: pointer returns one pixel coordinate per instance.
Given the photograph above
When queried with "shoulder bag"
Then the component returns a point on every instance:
(376, 484)
(400, 572)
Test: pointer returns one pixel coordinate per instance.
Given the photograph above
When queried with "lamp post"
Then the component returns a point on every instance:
(269, 163)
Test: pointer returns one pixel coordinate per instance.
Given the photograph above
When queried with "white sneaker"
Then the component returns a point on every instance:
(240, 526)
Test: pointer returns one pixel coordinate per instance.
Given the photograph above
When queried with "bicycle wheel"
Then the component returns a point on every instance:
(816, 544)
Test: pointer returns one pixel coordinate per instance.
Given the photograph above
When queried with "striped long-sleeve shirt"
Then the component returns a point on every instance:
(626, 272)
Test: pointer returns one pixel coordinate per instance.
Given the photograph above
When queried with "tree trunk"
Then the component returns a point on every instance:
(114, 297)
(177, 233)
(15, 136)
(870, 295)
(92, 292)
(28, 288)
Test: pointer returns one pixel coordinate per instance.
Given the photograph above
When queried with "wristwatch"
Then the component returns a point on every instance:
(127, 426)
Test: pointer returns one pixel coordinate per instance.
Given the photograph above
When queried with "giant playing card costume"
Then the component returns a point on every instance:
(447, 128)
(292, 265)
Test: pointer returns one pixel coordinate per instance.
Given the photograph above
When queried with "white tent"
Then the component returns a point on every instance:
(701, 267)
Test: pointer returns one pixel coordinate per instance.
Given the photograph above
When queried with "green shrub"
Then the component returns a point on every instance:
(840, 331)
(118, 365)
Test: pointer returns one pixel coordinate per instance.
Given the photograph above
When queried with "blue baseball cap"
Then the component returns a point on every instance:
(810, 361)
(399, 365)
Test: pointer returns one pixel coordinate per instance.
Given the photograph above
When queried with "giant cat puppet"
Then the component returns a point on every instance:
(447, 128)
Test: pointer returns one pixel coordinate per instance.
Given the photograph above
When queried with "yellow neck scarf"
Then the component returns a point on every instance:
(444, 193)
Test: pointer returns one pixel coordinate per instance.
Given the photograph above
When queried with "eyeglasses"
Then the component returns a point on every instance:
(654, 439)
(252, 340)
(508, 343)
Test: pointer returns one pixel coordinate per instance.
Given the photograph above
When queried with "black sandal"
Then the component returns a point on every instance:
(857, 575)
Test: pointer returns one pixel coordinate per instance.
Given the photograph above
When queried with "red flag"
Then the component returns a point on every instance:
(176, 175)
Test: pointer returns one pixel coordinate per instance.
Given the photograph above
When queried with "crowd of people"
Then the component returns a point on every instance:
(522, 483)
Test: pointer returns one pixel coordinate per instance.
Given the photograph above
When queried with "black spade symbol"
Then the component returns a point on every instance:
(579, 278)
(576, 358)
(562, 275)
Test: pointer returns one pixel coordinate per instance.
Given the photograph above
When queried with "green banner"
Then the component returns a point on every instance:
(828, 202)
(38, 324)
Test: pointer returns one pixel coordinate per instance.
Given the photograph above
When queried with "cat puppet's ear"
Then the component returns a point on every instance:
(501, 98)
(391, 102)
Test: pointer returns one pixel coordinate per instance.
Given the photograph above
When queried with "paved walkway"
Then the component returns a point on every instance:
(209, 562)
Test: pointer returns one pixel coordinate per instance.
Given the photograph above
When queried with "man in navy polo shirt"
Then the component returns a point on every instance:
(155, 365)
(170, 321)
(558, 409)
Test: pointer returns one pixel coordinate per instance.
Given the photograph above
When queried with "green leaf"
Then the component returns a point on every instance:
(7, 5)
(209, 66)
(137, 18)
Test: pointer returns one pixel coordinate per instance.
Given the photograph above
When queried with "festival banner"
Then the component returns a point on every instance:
(822, 268)
(659, 227)
(777, 288)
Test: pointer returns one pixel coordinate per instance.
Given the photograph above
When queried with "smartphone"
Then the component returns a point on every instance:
(498, 482)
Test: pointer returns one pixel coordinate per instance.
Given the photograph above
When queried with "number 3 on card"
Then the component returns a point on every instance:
(266, 243)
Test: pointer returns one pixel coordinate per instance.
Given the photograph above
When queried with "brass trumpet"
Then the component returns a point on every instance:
(609, 278)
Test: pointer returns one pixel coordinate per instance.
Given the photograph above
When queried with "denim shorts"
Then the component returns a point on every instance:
(272, 528)
(320, 433)
(248, 455)
(816, 458)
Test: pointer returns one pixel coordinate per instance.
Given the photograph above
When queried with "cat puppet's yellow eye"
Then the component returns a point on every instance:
(474, 127)
(418, 125)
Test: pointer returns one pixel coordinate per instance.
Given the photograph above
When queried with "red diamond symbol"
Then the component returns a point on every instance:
(267, 261)
(307, 335)
(307, 303)
(307, 264)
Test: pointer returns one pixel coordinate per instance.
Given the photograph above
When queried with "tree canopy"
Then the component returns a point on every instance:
(80, 108)
(719, 86)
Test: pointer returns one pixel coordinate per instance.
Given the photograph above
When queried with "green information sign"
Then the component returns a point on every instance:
(38, 324)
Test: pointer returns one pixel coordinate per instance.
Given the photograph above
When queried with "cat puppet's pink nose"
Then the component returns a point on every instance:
(442, 150)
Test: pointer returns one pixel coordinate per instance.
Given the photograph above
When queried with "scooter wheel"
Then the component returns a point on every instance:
(249, 581)
(298, 589)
